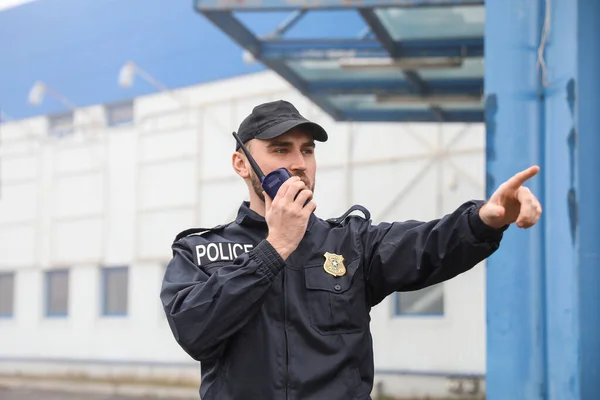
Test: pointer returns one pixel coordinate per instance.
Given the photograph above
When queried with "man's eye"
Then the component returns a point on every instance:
(307, 151)
(280, 150)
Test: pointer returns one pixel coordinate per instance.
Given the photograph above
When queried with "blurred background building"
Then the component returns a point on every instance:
(115, 135)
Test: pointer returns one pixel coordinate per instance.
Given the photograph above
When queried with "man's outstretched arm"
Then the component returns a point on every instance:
(412, 255)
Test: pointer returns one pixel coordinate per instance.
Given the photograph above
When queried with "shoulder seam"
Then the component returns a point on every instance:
(198, 231)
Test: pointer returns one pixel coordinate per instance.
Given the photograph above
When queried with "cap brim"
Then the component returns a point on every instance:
(279, 129)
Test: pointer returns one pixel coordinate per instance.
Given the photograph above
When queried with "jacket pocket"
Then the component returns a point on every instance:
(336, 304)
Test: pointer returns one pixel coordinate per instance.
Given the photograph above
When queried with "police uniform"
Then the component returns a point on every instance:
(267, 329)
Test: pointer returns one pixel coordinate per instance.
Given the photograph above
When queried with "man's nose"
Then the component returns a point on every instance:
(298, 163)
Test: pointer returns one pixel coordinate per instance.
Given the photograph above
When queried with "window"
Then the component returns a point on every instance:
(115, 283)
(7, 294)
(60, 125)
(57, 293)
(428, 301)
(119, 114)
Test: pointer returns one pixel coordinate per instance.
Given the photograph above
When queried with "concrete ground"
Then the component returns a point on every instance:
(27, 389)
(39, 394)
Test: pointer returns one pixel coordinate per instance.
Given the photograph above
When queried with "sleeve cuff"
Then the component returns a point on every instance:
(480, 230)
(268, 258)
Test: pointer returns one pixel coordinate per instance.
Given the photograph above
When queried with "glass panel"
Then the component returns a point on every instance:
(7, 291)
(471, 68)
(58, 292)
(369, 102)
(115, 291)
(60, 124)
(433, 22)
(428, 301)
(119, 114)
(331, 70)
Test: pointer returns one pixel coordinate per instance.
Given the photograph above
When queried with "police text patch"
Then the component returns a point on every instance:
(211, 252)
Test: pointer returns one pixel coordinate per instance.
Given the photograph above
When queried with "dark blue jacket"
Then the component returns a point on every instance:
(267, 329)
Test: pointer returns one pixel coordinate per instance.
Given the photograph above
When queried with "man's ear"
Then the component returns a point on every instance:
(238, 162)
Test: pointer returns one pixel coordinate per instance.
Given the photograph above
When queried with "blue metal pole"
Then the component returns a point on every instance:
(562, 196)
(588, 187)
(515, 288)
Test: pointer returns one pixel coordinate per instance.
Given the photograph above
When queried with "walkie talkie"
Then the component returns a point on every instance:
(273, 181)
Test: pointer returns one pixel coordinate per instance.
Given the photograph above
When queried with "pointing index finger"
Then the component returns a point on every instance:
(520, 178)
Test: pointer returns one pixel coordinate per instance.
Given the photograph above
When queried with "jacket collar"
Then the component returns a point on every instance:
(248, 217)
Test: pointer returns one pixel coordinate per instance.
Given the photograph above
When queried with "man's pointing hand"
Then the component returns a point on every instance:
(513, 202)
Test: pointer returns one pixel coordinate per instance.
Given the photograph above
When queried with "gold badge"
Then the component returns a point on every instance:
(334, 264)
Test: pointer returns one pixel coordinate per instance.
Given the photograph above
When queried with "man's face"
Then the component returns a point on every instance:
(294, 150)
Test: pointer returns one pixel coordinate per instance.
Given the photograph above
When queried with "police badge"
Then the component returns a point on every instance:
(334, 264)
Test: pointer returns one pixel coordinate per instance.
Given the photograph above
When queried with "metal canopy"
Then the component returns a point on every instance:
(393, 60)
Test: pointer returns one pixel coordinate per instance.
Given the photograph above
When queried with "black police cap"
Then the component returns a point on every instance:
(269, 120)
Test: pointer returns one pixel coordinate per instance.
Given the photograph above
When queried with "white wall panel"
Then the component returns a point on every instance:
(157, 230)
(221, 201)
(384, 188)
(218, 144)
(168, 184)
(19, 168)
(17, 246)
(19, 202)
(330, 193)
(79, 195)
(77, 241)
(172, 120)
(121, 203)
(168, 145)
(388, 141)
(79, 157)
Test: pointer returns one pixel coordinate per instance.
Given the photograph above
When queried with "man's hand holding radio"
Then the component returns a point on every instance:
(287, 215)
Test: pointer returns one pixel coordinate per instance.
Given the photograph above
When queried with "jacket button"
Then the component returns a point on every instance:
(338, 287)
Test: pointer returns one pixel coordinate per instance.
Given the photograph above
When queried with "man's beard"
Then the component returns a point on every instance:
(258, 189)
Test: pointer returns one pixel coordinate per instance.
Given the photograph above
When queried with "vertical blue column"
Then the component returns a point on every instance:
(561, 202)
(588, 195)
(515, 288)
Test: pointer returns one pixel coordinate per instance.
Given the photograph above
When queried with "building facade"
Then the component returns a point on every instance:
(92, 199)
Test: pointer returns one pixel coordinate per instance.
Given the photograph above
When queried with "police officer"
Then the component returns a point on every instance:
(275, 305)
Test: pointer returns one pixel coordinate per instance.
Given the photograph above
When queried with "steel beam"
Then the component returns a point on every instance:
(277, 5)
(235, 30)
(242, 36)
(412, 115)
(438, 87)
(379, 30)
(288, 23)
(334, 49)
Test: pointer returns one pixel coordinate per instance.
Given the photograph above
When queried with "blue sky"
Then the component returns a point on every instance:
(77, 47)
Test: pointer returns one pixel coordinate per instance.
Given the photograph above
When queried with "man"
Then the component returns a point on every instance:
(275, 305)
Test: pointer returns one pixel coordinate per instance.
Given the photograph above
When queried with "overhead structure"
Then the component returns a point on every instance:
(406, 60)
